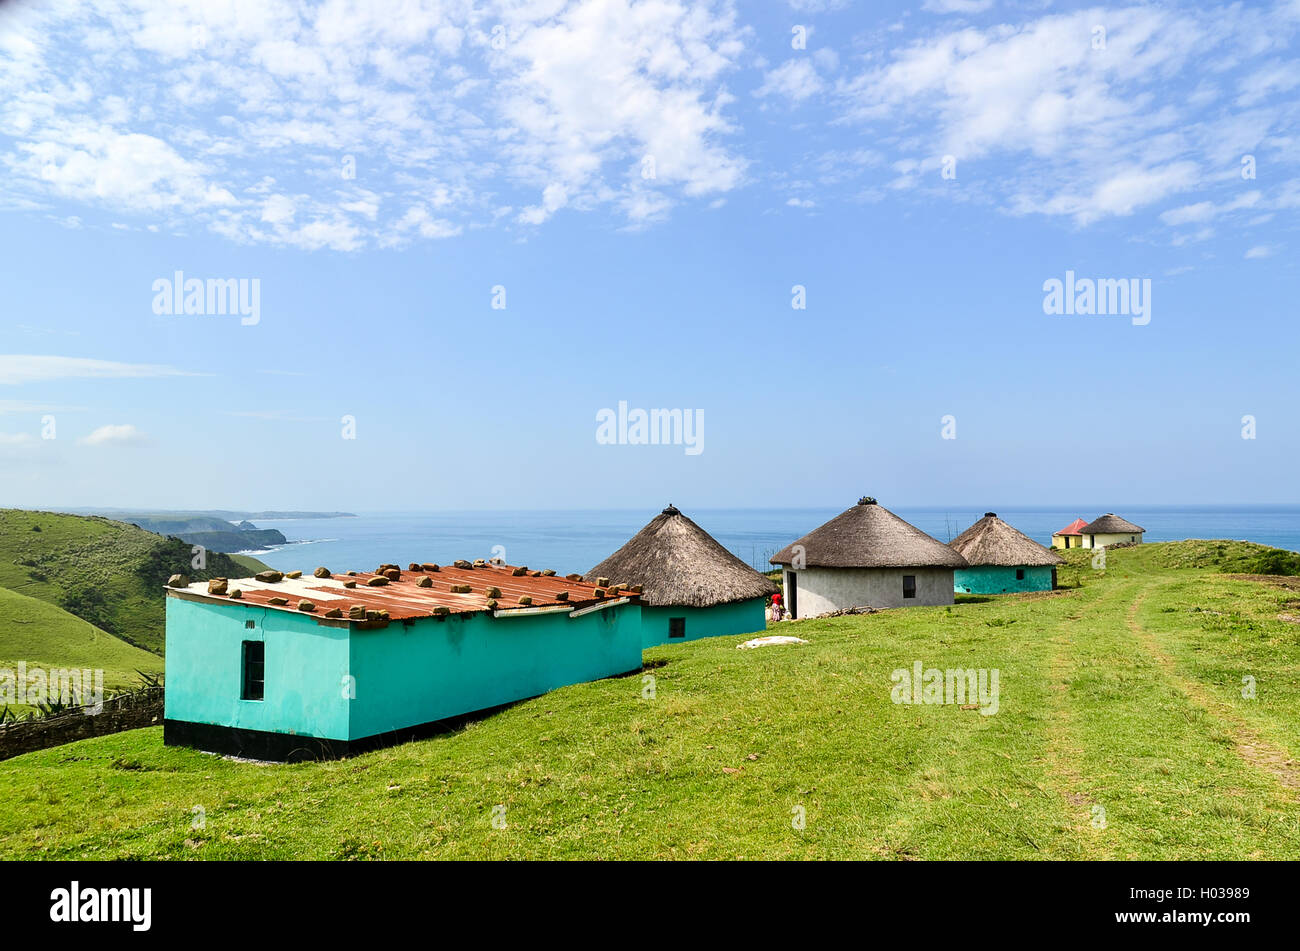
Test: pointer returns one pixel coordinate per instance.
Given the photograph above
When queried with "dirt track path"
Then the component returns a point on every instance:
(1064, 752)
(1250, 746)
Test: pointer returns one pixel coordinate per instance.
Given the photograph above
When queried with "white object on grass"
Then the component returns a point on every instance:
(771, 639)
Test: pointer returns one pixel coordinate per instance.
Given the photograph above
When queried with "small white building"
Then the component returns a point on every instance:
(1110, 529)
(866, 557)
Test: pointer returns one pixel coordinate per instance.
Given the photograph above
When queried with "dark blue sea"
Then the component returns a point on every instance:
(575, 541)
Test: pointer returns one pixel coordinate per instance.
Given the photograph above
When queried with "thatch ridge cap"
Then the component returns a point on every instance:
(991, 541)
(677, 562)
(868, 535)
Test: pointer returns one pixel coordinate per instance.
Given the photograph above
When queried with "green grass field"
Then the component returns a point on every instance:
(45, 636)
(1122, 732)
(108, 573)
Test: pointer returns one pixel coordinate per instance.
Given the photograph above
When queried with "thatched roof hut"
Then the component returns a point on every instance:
(991, 541)
(1111, 524)
(678, 563)
(869, 536)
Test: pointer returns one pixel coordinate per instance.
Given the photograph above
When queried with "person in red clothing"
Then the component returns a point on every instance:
(778, 609)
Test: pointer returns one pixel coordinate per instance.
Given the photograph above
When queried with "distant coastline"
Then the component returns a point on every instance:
(228, 515)
(219, 530)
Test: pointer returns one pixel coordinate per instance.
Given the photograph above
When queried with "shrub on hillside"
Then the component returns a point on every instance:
(89, 604)
(1275, 561)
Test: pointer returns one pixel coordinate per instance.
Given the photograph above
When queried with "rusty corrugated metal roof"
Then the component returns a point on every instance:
(404, 597)
(1074, 528)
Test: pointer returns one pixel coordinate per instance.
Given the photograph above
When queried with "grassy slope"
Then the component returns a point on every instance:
(45, 636)
(248, 565)
(108, 573)
(1119, 694)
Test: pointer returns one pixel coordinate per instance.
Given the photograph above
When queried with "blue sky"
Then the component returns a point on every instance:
(920, 171)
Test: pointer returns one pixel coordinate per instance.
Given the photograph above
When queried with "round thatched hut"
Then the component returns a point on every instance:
(1110, 529)
(690, 585)
(1002, 560)
(866, 556)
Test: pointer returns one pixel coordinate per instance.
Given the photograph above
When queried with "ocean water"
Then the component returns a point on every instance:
(578, 540)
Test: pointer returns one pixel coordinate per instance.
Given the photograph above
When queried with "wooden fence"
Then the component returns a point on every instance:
(128, 711)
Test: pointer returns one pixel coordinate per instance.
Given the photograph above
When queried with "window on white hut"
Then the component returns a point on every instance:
(909, 586)
(254, 667)
(677, 627)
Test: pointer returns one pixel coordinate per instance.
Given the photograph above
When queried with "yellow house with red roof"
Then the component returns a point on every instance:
(1071, 536)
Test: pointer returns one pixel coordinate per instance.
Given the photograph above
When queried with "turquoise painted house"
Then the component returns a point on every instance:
(286, 668)
(691, 586)
(1002, 560)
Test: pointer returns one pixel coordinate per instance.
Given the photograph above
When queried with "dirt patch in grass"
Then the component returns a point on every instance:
(1042, 595)
(1290, 582)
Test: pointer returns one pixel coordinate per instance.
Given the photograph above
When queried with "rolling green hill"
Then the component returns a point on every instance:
(45, 636)
(1123, 730)
(248, 565)
(108, 573)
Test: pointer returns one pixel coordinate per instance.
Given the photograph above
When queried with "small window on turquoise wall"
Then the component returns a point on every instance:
(254, 665)
(909, 586)
(677, 627)
(1020, 574)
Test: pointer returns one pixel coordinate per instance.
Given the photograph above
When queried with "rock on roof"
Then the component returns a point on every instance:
(991, 541)
(870, 536)
(424, 590)
(1111, 524)
(676, 562)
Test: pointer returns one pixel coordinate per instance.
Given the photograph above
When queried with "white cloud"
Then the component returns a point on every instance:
(1079, 130)
(1121, 193)
(554, 197)
(1203, 211)
(278, 210)
(816, 6)
(591, 93)
(957, 6)
(1260, 251)
(28, 368)
(123, 434)
(325, 125)
(419, 221)
(99, 165)
(795, 80)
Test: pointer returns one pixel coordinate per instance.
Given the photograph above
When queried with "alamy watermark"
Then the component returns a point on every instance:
(179, 296)
(37, 686)
(1103, 297)
(75, 903)
(967, 687)
(655, 427)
